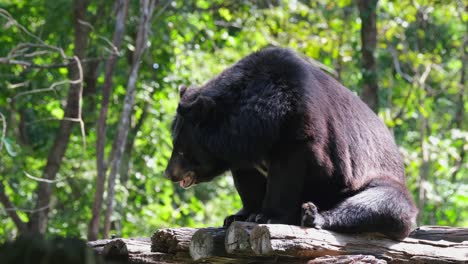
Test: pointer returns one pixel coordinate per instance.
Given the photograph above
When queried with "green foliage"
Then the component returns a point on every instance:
(192, 41)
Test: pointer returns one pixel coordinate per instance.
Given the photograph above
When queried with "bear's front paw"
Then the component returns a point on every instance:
(233, 218)
(310, 216)
(254, 217)
(262, 219)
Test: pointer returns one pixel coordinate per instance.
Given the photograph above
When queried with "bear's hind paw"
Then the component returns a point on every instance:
(310, 216)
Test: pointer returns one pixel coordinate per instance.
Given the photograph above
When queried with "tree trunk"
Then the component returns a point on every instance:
(370, 90)
(122, 10)
(39, 218)
(424, 168)
(460, 112)
(147, 7)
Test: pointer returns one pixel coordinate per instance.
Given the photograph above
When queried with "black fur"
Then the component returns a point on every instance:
(321, 145)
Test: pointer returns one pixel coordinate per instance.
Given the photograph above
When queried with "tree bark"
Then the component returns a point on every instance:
(147, 7)
(38, 219)
(122, 10)
(370, 90)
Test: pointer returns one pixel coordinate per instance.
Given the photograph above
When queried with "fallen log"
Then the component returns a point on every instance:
(285, 240)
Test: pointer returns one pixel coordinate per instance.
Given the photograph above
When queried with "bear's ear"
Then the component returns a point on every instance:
(182, 89)
(198, 110)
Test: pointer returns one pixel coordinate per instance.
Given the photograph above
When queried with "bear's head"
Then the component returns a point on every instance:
(191, 162)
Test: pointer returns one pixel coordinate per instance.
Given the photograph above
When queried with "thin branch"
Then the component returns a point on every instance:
(27, 210)
(48, 89)
(161, 10)
(21, 48)
(80, 101)
(11, 20)
(396, 63)
(458, 165)
(71, 119)
(31, 64)
(28, 64)
(4, 127)
(422, 80)
(41, 179)
(18, 85)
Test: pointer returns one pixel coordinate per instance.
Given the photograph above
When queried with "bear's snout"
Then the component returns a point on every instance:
(167, 173)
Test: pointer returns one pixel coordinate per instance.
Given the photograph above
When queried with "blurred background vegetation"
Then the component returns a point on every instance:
(50, 112)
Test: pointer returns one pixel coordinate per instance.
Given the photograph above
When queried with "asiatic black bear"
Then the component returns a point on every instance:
(294, 139)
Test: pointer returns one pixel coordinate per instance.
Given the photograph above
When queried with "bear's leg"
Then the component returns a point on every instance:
(250, 185)
(285, 184)
(384, 206)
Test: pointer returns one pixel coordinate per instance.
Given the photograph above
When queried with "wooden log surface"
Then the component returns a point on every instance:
(238, 238)
(172, 240)
(452, 234)
(285, 240)
(120, 246)
(208, 246)
(208, 243)
(347, 259)
(247, 242)
(135, 250)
